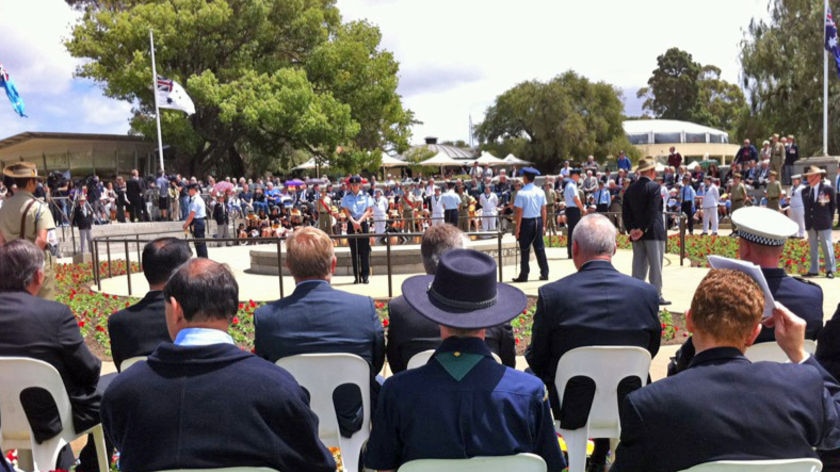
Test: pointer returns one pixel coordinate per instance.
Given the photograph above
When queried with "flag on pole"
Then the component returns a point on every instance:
(11, 91)
(172, 95)
(831, 43)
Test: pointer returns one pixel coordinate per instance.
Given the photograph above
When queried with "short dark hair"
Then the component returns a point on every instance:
(205, 289)
(19, 262)
(162, 256)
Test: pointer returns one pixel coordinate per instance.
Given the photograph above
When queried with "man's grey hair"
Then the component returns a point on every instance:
(437, 240)
(595, 235)
(20, 260)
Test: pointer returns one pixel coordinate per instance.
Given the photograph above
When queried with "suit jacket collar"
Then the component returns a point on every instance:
(717, 356)
(597, 264)
(309, 285)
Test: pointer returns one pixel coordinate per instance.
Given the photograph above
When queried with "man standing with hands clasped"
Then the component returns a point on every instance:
(642, 213)
(819, 213)
(530, 215)
(358, 206)
(197, 219)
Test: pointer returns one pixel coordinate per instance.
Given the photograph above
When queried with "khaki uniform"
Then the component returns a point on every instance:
(774, 194)
(777, 157)
(409, 203)
(738, 196)
(550, 211)
(324, 216)
(38, 218)
(464, 213)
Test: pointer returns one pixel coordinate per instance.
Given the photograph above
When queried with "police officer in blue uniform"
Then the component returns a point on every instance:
(358, 206)
(462, 403)
(530, 217)
(762, 235)
(197, 219)
(574, 207)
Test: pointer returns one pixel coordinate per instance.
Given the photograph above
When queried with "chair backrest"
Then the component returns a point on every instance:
(806, 464)
(422, 358)
(770, 351)
(130, 362)
(524, 462)
(225, 469)
(320, 374)
(22, 373)
(606, 366)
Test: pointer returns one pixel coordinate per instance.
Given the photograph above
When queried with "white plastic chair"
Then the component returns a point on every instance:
(225, 469)
(524, 462)
(130, 362)
(607, 366)
(20, 373)
(770, 351)
(806, 464)
(422, 358)
(320, 374)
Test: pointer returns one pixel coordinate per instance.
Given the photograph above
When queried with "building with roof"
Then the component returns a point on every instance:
(653, 138)
(81, 154)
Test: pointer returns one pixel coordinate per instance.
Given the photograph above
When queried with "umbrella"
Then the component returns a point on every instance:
(511, 159)
(487, 159)
(442, 159)
(222, 187)
(294, 183)
(388, 161)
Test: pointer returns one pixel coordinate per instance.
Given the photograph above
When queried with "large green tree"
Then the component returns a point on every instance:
(672, 89)
(270, 78)
(567, 117)
(782, 60)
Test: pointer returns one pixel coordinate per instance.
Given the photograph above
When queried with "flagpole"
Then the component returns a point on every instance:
(154, 94)
(825, 85)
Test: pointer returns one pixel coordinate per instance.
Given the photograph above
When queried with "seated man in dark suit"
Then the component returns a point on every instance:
(595, 306)
(201, 401)
(47, 331)
(318, 318)
(723, 406)
(138, 329)
(410, 332)
(762, 235)
(462, 403)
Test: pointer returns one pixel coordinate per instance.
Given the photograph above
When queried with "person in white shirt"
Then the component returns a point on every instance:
(380, 213)
(711, 200)
(797, 206)
(436, 204)
(489, 208)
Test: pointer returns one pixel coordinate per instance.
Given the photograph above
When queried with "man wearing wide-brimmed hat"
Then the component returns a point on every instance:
(25, 217)
(738, 197)
(462, 403)
(642, 214)
(819, 212)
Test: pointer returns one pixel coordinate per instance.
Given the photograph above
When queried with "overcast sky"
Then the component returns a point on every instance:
(456, 56)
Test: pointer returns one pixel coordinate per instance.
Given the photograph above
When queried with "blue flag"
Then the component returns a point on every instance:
(831, 44)
(11, 91)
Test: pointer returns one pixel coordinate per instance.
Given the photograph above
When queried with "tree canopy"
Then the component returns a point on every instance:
(681, 89)
(782, 73)
(270, 79)
(567, 117)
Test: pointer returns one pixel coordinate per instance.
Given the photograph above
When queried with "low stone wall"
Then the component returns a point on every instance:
(404, 259)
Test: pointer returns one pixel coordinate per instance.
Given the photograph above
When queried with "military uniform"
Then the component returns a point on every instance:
(738, 197)
(550, 211)
(774, 194)
(38, 217)
(464, 212)
(324, 214)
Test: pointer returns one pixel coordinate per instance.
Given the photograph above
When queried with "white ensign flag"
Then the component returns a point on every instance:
(172, 95)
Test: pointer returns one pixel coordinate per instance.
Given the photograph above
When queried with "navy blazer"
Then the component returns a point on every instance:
(597, 305)
(48, 331)
(318, 318)
(819, 214)
(723, 407)
(138, 329)
(642, 209)
(410, 332)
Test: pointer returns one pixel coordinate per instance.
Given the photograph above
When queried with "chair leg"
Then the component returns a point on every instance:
(101, 451)
(25, 461)
(576, 447)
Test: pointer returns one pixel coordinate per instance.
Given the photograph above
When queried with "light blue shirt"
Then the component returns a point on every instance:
(450, 200)
(201, 337)
(602, 196)
(357, 204)
(531, 199)
(687, 194)
(570, 193)
(197, 206)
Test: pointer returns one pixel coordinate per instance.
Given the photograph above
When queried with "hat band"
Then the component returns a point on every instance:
(762, 240)
(459, 304)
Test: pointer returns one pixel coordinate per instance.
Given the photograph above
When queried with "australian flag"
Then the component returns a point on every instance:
(831, 43)
(172, 95)
(11, 91)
